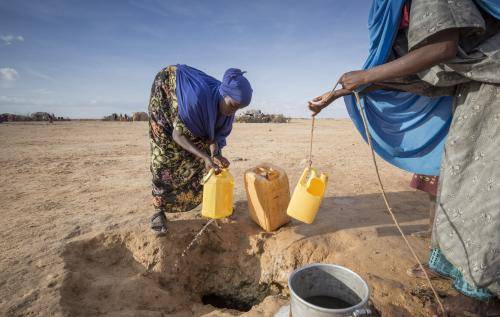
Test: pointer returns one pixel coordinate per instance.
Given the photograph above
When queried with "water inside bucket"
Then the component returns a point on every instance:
(320, 286)
(329, 302)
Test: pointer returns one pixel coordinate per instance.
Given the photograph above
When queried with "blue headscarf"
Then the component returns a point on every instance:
(236, 86)
(408, 130)
(198, 96)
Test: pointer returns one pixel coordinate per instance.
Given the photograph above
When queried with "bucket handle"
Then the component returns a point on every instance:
(363, 312)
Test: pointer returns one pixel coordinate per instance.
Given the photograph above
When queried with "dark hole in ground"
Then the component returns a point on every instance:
(220, 301)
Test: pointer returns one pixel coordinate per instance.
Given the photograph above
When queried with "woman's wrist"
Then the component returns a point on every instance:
(369, 76)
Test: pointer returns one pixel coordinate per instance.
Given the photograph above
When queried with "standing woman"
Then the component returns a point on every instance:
(190, 116)
(452, 47)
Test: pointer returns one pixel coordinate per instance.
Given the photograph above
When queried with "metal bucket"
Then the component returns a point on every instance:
(332, 281)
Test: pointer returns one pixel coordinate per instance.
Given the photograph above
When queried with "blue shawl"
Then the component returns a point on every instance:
(408, 130)
(198, 98)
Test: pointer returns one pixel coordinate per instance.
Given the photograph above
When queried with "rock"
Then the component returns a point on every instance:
(76, 231)
(51, 280)
(239, 159)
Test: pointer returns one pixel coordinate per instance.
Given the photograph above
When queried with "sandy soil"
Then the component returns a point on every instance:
(74, 234)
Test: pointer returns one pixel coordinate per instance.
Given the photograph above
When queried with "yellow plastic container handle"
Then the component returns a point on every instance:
(207, 177)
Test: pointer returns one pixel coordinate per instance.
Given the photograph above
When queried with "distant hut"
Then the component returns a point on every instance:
(111, 117)
(140, 116)
(41, 116)
(257, 116)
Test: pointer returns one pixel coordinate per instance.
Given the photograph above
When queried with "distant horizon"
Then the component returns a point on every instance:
(130, 113)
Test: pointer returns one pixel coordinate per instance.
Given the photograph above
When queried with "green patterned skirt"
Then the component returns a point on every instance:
(177, 174)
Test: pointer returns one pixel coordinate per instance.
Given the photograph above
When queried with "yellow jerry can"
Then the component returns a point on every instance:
(268, 195)
(307, 196)
(217, 195)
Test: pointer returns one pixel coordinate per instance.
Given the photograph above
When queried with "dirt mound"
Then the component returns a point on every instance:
(137, 274)
(235, 269)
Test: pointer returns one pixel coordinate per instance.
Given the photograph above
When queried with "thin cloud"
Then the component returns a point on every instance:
(8, 76)
(23, 101)
(39, 74)
(42, 91)
(9, 39)
(174, 8)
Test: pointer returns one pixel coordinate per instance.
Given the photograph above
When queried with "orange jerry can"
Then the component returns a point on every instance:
(268, 195)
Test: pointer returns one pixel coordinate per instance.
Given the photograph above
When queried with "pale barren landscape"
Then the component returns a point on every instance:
(75, 239)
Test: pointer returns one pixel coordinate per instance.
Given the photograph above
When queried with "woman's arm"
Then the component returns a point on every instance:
(215, 150)
(186, 144)
(440, 48)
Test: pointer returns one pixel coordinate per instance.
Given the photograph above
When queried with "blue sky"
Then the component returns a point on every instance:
(86, 59)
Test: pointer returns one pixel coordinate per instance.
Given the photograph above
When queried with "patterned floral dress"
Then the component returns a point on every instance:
(177, 174)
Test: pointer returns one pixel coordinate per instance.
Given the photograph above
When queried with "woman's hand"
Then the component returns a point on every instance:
(349, 82)
(323, 101)
(354, 79)
(210, 163)
(221, 161)
(320, 102)
(217, 157)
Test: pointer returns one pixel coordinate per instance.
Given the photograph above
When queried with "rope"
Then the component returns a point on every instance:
(384, 195)
(311, 142)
